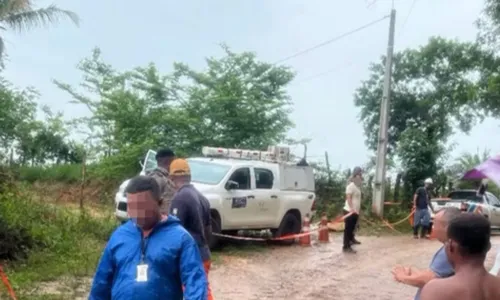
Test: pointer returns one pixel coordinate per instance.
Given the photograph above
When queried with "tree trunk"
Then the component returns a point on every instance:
(397, 186)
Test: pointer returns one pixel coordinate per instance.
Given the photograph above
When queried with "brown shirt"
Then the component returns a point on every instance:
(166, 185)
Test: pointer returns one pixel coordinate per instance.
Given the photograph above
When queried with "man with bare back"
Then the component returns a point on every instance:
(466, 248)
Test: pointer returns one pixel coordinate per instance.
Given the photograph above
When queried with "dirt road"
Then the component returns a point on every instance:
(318, 272)
(324, 272)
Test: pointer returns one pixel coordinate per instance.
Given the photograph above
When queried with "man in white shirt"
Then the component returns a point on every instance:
(352, 208)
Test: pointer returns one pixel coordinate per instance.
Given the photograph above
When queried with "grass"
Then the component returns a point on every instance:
(64, 242)
(67, 173)
(66, 246)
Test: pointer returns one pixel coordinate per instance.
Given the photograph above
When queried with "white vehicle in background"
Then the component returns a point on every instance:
(488, 204)
(247, 189)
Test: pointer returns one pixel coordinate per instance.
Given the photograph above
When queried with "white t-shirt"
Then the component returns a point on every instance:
(353, 190)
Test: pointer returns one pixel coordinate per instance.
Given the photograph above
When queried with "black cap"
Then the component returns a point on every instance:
(163, 153)
(357, 171)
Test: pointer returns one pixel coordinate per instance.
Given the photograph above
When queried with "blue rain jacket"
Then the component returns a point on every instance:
(172, 257)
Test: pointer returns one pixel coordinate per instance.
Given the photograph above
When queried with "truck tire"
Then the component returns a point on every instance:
(213, 240)
(290, 224)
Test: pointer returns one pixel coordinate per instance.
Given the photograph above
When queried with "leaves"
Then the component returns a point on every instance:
(20, 16)
(237, 101)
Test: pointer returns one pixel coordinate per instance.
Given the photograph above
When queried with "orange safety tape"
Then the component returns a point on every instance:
(402, 220)
(7, 284)
(286, 237)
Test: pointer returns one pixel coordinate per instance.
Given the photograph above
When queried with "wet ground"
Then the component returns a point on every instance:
(322, 271)
(318, 272)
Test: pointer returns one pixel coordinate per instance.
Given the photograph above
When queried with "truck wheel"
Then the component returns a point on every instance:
(213, 240)
(288, 226)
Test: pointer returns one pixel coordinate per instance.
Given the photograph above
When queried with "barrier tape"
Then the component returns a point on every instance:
(299, 235)
(6, 282)
(282, 238)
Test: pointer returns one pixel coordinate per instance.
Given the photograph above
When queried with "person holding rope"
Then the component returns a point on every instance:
(467, 245)
(422, 216)
(352, 208)
(193, 210)
(440, 266)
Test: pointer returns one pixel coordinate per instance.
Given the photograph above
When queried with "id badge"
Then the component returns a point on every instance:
(142, 273)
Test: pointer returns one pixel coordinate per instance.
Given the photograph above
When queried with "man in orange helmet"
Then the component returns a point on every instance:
(192, 209)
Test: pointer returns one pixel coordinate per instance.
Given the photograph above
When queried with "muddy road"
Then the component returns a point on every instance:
(318, 272)
(324, 272)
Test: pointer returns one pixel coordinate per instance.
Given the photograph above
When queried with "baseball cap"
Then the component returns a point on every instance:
(357, 171)
(179, 167)
(428, 180)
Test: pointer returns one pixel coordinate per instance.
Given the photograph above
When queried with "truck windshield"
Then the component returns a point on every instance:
(207, 172)
(201, 171)
(465, 196)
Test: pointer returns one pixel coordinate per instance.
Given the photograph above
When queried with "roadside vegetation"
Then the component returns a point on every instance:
(58, 177)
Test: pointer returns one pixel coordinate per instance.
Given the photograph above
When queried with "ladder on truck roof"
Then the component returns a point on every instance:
(273, 154)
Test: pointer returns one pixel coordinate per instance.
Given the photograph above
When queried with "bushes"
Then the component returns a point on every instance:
(67, 173)
(50, 239)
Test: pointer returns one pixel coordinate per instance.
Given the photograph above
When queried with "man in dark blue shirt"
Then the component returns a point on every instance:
(422, 217)
(192, 209)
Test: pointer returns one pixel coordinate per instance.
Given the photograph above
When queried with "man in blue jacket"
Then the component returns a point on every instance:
(151, 256)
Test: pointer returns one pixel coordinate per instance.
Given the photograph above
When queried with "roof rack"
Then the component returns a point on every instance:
(273, 153)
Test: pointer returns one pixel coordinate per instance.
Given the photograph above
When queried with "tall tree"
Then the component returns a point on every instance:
(236, 101)
(435, 87)
(242, 101)
(21, 15)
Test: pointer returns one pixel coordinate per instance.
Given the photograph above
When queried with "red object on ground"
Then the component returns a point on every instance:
(324, 236)
(306, 228)
(6, 282)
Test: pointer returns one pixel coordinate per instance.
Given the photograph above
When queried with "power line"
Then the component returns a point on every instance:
(407, 17)
(321, 74)
(331, 40)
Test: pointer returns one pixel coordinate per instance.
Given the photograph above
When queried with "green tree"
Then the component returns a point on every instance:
(242, 101)
(468, 161)
(435, 87)
(21, 15)
(237, 101)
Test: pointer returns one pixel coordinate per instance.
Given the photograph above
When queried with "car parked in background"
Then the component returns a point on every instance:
(469, 200)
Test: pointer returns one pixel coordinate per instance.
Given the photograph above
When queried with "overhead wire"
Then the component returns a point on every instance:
(407, 18)
(332, 40)
(321, 74)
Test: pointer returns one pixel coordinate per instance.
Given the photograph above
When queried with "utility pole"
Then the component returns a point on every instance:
(379, 188)
(329, 172)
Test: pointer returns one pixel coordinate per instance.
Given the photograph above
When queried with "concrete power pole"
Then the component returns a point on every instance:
(379, 188)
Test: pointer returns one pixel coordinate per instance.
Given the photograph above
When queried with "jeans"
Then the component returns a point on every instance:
(422, 218)
(350, 225)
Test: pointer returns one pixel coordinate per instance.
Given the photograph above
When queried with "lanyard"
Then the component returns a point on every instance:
(143, 247)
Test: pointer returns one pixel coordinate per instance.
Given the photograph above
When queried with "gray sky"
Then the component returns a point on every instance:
(165, 31)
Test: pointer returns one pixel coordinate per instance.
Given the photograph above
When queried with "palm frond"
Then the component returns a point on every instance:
(29, 19)
(9, 7)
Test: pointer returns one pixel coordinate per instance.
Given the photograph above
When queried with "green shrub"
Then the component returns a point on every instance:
(56, 240)
(67, 173)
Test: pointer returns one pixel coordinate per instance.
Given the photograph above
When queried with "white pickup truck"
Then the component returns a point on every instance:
(488, 204)
(251, 194)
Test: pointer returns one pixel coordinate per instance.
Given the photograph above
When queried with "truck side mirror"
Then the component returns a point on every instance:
(232, 185)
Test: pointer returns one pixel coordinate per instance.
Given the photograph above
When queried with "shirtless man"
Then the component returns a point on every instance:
(466, 248)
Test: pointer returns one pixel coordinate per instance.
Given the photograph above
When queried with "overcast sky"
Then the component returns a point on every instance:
(132, 34)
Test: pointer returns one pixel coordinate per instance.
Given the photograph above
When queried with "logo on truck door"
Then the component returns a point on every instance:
(262, 206)
(239, 202)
